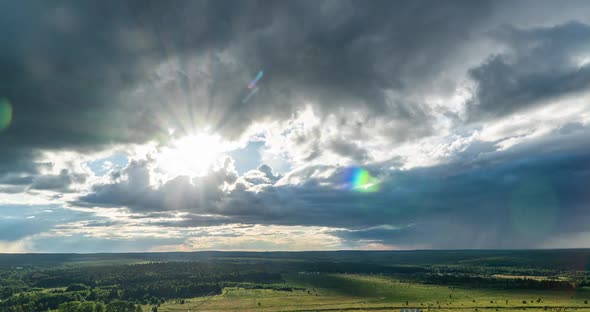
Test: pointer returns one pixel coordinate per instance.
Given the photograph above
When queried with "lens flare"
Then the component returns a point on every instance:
(5, 113)
(360, 180)
(247, 98)
(255, 80)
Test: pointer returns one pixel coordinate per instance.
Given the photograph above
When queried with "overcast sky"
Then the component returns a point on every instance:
(130, 125)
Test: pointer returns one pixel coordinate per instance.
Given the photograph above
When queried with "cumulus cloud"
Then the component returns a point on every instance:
(262, 175)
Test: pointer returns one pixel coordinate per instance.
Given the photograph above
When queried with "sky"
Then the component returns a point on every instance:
(294, 125)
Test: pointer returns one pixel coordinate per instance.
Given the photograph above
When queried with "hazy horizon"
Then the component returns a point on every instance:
(291, 251)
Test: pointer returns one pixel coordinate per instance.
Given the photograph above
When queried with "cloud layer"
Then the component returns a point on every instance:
(471, 118)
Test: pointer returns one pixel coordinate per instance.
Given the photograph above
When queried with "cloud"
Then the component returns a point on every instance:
(132, 188)
(60, 182)
(16, 180)
(472, 117)
(155, 66)
(492, 199)
(539, 65)
(22, 221)
(186, 67)
(262, 175)
(344, 148)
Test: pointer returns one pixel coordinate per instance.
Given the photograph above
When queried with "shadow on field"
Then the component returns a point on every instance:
(337, 284)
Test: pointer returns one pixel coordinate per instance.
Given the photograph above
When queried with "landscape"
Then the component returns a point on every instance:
(295, 155)
(458, 280)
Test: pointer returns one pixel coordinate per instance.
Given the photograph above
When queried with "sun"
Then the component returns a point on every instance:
(192, 155)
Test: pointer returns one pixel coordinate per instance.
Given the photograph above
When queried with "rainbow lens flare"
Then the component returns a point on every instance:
(5, 113)
(253, 83)
(360, 180)
(247, 98)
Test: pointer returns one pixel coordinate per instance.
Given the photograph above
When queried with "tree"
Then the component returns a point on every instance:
(77, 287)
(69, 306)
(87, 306)
(138, 308)
(113, 294)
(120, 306)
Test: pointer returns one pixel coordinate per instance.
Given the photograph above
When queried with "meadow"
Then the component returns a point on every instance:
(352, 292)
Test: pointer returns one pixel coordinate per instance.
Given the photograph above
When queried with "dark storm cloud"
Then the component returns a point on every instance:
(64, 80)
(16, 160)
(540, 64)
(82, 75)
(346, 55)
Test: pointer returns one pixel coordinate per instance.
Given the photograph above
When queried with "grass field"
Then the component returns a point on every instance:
(341, 292)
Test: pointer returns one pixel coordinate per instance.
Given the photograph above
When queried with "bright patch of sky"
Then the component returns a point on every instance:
(103, 165)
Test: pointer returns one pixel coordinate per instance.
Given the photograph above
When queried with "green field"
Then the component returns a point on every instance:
(341, 292)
